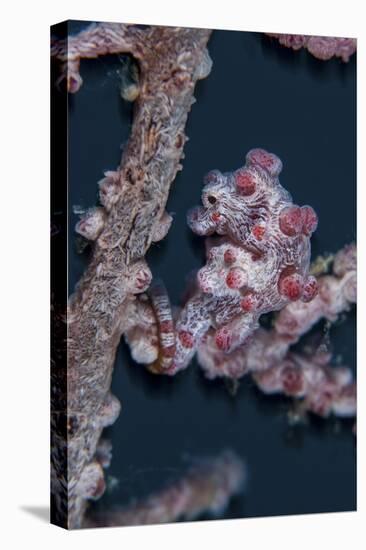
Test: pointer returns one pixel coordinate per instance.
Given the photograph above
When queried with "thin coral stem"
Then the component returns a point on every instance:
(206, 488)
(98, 39)
(171, 61)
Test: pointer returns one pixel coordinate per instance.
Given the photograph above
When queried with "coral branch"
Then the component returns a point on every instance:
(323, 389)
(321, 47)
(206, 489)
(97, 39)
(171, 60)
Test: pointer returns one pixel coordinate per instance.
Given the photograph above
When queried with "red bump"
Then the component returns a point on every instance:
(310, 220)
(245, 182)
(229, 256)
(291, 286)
(168, 352)
(291, 220)
(268, 161)
(223, 339)
(166, 326)
(310, 289)
(215, 216)
(258, 231)
(249, 302)
(236, 278)
(186, 339)
(292, 380)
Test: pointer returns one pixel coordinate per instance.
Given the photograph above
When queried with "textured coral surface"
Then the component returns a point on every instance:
(206, 488)
(321, 47)
(133, 197)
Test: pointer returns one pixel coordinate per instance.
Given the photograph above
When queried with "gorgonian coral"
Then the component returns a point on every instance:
(206, 488)
(321, 47)
(169, 62)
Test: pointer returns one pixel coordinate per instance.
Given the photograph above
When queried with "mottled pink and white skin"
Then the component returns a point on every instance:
(261, 263)
(321, 47)
(336, 294)
(324, 389)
